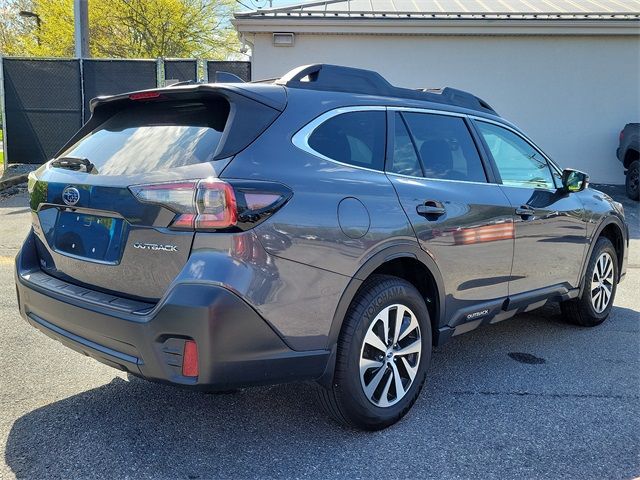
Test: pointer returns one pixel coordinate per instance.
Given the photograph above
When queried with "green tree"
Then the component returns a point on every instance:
(122, 28)
(13, 28)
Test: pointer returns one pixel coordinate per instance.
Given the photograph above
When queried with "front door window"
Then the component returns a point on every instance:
(519, 164)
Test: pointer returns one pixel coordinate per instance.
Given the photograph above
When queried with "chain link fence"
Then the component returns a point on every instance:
(239, 69)
(42, 107)
(108, 77)
(180, 70)
(45, 101)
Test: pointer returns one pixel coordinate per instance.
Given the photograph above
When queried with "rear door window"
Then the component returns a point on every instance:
(355, 138)
(404, 159)
(154, 136)
(446, 147)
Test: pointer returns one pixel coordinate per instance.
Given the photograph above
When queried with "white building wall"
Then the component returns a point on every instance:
(571, 94)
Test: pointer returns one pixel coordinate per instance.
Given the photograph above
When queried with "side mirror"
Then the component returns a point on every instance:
(574, 180)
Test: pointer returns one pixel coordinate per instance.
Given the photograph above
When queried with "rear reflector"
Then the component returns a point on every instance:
(190, 359)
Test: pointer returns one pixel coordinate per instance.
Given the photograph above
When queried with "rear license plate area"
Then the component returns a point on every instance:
(92, 237)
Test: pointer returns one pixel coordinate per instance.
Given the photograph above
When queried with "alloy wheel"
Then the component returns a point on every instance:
(602, 283)
(390, 355)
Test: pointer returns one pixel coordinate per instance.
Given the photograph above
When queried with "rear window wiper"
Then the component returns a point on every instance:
(74, 163)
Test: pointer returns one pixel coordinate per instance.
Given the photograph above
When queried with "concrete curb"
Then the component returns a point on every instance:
(11, 181)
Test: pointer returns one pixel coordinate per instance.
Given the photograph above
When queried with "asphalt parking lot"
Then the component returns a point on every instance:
(575, 412)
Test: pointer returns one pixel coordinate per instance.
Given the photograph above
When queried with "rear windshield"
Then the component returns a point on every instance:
(153, 136)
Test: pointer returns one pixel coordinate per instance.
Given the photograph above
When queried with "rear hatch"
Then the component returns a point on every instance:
(96, 226)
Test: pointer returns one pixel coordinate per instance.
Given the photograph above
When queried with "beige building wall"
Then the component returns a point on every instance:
(571, 94)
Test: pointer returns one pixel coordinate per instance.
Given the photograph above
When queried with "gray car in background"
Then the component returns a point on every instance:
(324, 226)
(628, 153)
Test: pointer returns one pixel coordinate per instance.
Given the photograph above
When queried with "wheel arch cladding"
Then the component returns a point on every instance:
(613, 232)
(610, 227)
(405, 261)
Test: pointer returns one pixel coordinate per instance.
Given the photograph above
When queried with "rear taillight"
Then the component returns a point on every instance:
(213, 204)
(216, 205)
(621, 135)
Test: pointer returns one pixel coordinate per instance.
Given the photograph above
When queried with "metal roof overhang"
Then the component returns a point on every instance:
(436, 23)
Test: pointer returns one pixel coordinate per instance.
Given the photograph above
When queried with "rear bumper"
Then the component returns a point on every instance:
(236, 347)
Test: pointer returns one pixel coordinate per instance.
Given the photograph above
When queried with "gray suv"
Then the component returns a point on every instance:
(324, 226)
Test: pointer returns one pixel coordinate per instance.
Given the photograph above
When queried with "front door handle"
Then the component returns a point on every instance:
(431, 208)
(525, 211)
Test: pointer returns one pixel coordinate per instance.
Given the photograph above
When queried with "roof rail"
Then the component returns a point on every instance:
(460, 98)
(322, 76)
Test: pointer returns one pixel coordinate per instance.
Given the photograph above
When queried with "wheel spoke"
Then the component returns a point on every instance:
(607, 293)
(383, 317)
(597, 300)
(600, 303)
(366, 364)
(398, 381)
(411, 371)
(413, 324)
(414, 347)
(384, 396)
(372, 339)
(608, 273)
(400, 311)
(607, 264)
(375, 381)
(600, 266)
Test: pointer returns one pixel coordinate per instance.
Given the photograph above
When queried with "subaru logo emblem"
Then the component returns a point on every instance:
(70, 195)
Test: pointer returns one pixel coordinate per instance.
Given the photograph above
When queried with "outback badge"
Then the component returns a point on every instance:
(155, 247)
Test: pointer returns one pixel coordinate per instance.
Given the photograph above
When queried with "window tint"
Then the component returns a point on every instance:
(149, 137)
(404, 159)
(356, 138)
(445, 146)
(518, 162)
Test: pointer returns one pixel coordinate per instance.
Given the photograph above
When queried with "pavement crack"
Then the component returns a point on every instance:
(547, 395)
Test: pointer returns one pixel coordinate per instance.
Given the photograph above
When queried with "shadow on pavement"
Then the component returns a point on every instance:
(466, 423)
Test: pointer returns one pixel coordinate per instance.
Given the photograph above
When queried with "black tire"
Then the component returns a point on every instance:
(631, 183)
(581, 311)
(346, 400)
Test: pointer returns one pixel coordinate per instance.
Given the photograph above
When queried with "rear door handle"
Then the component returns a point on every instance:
(431, 208)
(525, 211)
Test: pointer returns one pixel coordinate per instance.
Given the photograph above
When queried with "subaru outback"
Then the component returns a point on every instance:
(325, 226)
